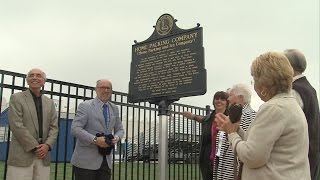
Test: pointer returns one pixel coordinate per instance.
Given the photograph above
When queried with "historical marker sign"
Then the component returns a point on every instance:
(169, 64)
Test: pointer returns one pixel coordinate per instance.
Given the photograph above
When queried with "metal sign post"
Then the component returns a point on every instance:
(163, 139)
(163, 148)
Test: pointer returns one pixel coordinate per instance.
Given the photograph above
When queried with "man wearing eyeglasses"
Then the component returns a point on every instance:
(97, 128)
(34, 125)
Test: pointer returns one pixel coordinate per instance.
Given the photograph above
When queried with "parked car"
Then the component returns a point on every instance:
(176, 156)
(131, 158)
(149, 153)
(191, 158)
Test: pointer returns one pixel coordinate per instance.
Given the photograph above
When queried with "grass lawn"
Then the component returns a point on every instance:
(129, 171)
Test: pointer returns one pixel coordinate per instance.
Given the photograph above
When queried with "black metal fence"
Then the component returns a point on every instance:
(136, 156)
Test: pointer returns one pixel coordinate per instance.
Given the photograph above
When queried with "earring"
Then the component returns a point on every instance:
(264, 94)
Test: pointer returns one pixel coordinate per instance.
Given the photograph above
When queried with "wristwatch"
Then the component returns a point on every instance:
(94, 140)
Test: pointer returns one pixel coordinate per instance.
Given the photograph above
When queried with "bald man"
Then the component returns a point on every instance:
(93, 117)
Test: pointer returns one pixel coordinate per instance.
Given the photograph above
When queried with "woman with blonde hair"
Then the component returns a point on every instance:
(275, 146)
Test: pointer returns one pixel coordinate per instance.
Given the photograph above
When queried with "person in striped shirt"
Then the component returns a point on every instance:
(224, 166)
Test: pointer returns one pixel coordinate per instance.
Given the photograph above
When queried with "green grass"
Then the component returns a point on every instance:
(1, 170)
(131, 171)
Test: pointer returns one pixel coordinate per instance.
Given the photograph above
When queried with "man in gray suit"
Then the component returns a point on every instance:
(34, 125)
(95, 116)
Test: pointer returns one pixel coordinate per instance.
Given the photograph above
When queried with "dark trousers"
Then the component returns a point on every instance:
(315, 173)
(205, 163)
(206, 169)
(206, 172)
(103, 173)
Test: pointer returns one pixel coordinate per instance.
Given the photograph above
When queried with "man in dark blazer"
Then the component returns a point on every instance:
(34, 125)
(91, 119)
(306, 97)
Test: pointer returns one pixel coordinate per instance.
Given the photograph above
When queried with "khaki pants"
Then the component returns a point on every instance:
(37, 171)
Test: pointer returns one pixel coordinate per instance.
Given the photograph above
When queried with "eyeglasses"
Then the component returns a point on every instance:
(38, 76)
(104, 88)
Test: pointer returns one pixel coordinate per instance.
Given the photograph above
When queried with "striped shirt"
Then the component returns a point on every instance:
(224, 169)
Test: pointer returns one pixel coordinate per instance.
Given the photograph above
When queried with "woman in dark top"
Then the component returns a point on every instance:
(207, 148)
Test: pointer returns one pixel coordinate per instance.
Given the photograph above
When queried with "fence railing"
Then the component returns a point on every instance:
(136, 156)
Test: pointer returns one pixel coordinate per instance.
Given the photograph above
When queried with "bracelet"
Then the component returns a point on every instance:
(48, 146)
(232, 133)
(94, 140)
(117, 138)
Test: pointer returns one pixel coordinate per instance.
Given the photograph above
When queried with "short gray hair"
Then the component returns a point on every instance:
(296, 59)
(98, 81)
(243, 90)
(43, 74)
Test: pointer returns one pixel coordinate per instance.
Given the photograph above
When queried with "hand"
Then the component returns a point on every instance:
(101, 142)
(188, 115)
(42, 150)
(115, 140)
(224, 123)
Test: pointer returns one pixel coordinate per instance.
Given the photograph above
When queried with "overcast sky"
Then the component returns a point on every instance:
(81, 41)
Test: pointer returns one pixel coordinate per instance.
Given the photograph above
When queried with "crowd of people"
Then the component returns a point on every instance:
(279, 141)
